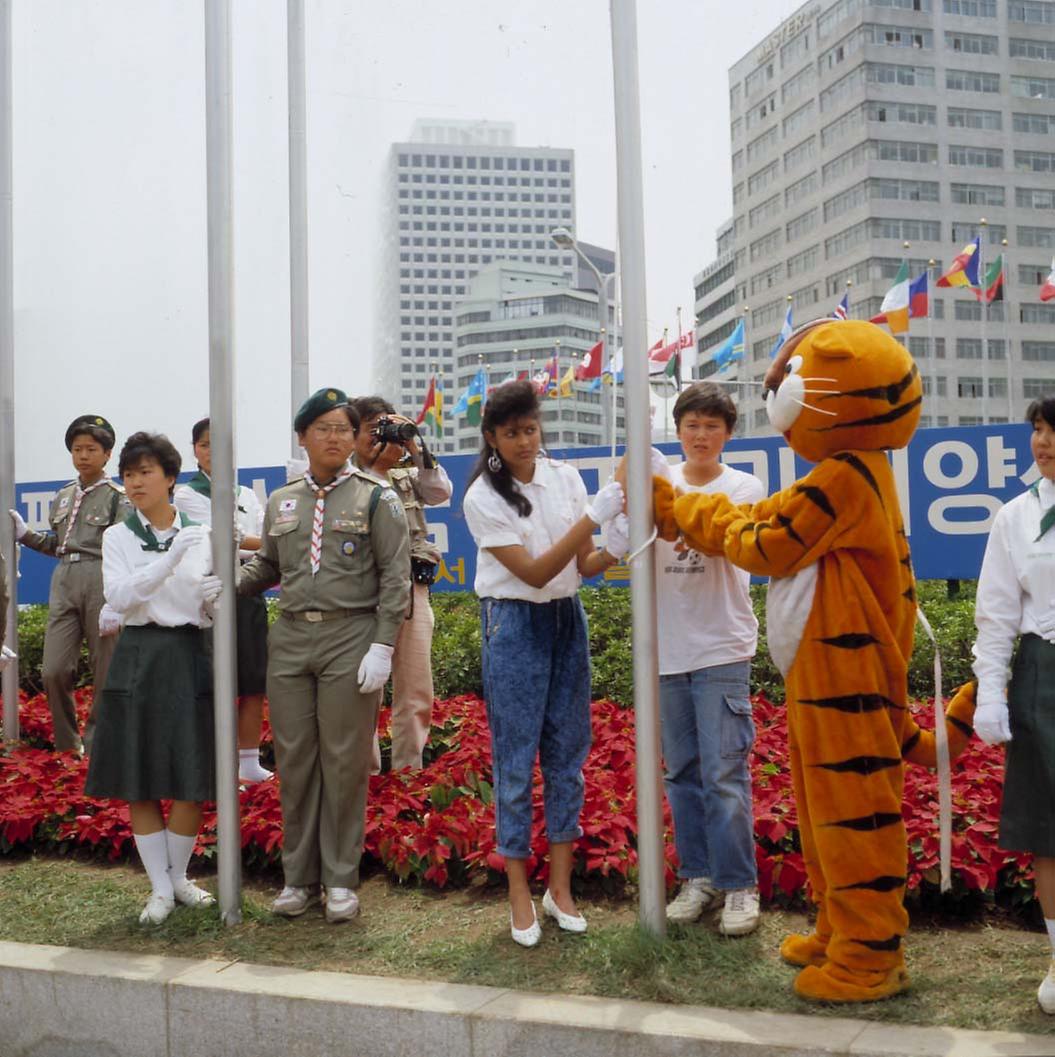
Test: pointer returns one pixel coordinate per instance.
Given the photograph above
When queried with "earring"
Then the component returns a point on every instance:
(494, 461)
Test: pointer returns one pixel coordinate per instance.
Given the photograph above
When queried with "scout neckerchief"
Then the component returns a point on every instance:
(320, 509)
(1049, 515)
(146, 532)
(202, 484)
(78, 498)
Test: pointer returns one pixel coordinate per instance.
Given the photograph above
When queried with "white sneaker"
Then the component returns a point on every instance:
(190, 895)
(695, 897)
(1046, 991)
(342, 904)
(528, 937)
(741, 912)
(157, 909)
(293, 900)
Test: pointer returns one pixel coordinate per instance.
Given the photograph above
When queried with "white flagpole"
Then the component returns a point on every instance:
(639, 473)
(932, 352)
(298, 212)
(983, 224)
(1006, 290)
(560, 402)
(221, 430)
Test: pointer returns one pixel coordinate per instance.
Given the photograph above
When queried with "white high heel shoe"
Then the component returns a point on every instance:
(530, 936)
(568, 922)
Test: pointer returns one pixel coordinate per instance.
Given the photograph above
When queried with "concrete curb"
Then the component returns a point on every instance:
(63, 1002)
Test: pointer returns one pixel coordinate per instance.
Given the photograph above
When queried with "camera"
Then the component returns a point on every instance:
(386, 431)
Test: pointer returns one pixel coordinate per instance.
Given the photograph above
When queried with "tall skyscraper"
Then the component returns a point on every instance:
(868, 134)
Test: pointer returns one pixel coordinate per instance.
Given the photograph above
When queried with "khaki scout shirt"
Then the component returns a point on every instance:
(365, 560)
(404, 480)
(4, 599)
(100, 508)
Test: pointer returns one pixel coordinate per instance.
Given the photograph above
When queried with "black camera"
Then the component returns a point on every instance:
(386, 431)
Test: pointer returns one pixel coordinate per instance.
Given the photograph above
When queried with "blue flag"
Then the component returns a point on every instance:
(732, 348)
(785, 333)
(471, 401)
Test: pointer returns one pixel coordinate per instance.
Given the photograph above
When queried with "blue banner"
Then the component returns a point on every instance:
(951, 483)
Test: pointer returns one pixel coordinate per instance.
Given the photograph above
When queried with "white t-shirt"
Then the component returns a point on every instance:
(558, 499)
(704, 607)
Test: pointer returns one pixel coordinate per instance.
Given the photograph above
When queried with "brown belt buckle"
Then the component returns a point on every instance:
(313, 616)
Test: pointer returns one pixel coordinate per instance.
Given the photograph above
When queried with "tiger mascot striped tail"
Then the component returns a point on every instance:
(841, 612)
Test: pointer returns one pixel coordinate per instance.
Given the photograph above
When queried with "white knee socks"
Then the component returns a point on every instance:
(180, 849)
(153, 851)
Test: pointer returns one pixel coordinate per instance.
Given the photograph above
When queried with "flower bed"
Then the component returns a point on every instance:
(437, 825)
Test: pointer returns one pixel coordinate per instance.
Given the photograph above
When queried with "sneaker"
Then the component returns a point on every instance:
(292, 901)
(741, 912)
(342, 904)
(190, 895)
(695, 897)
(157, 909)
(1046, 991)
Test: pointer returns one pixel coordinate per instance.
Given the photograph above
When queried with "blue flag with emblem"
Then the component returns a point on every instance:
(732, 349)
(785, 333)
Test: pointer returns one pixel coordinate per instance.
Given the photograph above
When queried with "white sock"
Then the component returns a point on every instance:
(180, 849)
(1049, 924)
(249, 769)
(153, 852)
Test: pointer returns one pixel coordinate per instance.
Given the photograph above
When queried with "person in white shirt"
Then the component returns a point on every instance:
(534, 529)
(707, 636)
(195, 500)
(154, 728)
(1016, 601)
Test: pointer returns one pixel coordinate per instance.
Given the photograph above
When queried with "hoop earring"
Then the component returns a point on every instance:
(494, 461)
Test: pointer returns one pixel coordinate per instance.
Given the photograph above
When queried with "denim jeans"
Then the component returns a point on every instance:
(536, 674)
(707, 733)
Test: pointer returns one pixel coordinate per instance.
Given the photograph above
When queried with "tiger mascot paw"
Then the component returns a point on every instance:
(804, 950)
(836, 983)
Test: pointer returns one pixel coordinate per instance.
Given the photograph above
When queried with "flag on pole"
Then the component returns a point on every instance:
(785, 333)
(1047, 288)
(732, 349)
(919, 297)
(591, 364)
(992, 288)
(567, 381)
(660, 355)
(894, 310)
(964, 270)
(842, 309)
(470, 403)
(432, 410)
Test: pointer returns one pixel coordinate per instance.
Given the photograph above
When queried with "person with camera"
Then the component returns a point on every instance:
(390, 448)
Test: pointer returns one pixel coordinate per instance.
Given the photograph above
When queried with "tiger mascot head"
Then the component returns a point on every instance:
(843, 385)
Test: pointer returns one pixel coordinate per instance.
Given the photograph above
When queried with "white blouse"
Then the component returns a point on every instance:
(249, 514)
(558, 499)
(1016, 588)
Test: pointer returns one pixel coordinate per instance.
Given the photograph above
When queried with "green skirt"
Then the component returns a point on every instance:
(154, 735)
(1027, 817)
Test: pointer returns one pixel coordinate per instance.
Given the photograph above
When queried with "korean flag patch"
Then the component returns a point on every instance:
(64, 502)
(286, 505)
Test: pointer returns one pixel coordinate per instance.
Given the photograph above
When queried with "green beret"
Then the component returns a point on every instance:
(321, 401)
(95, 426)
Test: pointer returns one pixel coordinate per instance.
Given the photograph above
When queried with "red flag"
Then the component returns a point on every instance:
(659, 354)
(1047, 290)
(591, 364)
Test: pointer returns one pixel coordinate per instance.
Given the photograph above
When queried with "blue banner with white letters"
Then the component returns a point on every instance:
(951, 483)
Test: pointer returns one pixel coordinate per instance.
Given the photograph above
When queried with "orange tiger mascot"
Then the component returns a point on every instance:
(841, 612)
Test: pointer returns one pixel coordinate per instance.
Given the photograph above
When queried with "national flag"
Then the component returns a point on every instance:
(785, 333)
(964, 270)
(993, 286)
(432, 410)
(842, 309)
(567, 382)
(521, 377)
(591, 364)
(471, 401)
(1047, 289)
(894, 309)
(918, 298)
(732, 348)
(660, 355)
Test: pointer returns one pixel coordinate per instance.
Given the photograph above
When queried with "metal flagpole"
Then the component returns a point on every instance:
(983, 224)
(666, 395)
(298, 212)
(9, 681)
(932, 352)
(560, 402)
(1006, 294)
(615, 353)
(221, 432)
(741, 410)
(639, 471)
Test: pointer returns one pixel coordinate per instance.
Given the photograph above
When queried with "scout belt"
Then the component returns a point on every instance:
(320, 616)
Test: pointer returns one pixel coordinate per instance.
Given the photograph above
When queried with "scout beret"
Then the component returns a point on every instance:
(95, 426)
(321, 401)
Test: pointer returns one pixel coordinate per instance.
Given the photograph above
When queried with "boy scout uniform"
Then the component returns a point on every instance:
(76, 595)
(322, 724)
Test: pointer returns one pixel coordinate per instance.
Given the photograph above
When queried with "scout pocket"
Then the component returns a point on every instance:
(281, 531)
(353, 533)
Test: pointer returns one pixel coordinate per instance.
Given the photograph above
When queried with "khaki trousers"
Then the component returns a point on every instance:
(73, 615)
(322, 728)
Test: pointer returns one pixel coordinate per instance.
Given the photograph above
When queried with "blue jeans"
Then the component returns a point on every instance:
(707, 734)
(536, 674)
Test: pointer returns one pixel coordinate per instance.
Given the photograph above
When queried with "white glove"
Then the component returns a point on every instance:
(660, 466)
(376, 668)
(211, 586)
(186, 539)
(607, 503)
(21, 528)
(992, 723)
(7, 655)
(109, 621)
(618, 537)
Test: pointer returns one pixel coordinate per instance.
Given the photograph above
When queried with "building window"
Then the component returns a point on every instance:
(970, 8)
(972, 43)
(1033, 87)
(1035, 236)
(969, 388)
(977, 194)
(1041, 50)
(1034, 161)
(1035, 388)
(976, 157)
(965, 117)
(972, 81)
(1035, 12)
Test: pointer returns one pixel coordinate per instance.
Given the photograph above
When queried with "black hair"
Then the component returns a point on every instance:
(371, 407)
(154, 446)
(708, 398)
(506, 402)
(1043, 408)
(199, 427)
(101, 437)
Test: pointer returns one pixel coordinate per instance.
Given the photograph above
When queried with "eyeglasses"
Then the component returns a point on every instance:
(331, 430)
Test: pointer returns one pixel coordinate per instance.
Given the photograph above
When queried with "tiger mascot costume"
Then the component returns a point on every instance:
(841, 612)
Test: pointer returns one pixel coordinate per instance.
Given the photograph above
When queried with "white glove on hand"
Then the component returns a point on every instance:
(376, 668)
(7, 655)
(109, 621)
(992, 723)
(618, 537)
(606, 504)
(211, 587)
(21, 528)
(186, 539)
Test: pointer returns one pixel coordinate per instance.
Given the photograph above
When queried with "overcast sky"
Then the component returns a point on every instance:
(109, 140)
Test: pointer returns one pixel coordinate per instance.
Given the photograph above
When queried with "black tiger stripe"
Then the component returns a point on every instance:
(873, 420)
(852, 640)
(891, 943)
(852, 460)
(964, 728)
(907, 561)
(851, 702)
(882, 883)
(816, 496)
(877, 820)
(911, 743)
(909, 594)
(863, 765)
(752, 527)
(786, 523)
(891, 393)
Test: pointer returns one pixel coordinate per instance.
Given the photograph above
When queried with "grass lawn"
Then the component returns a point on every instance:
(973, 975)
